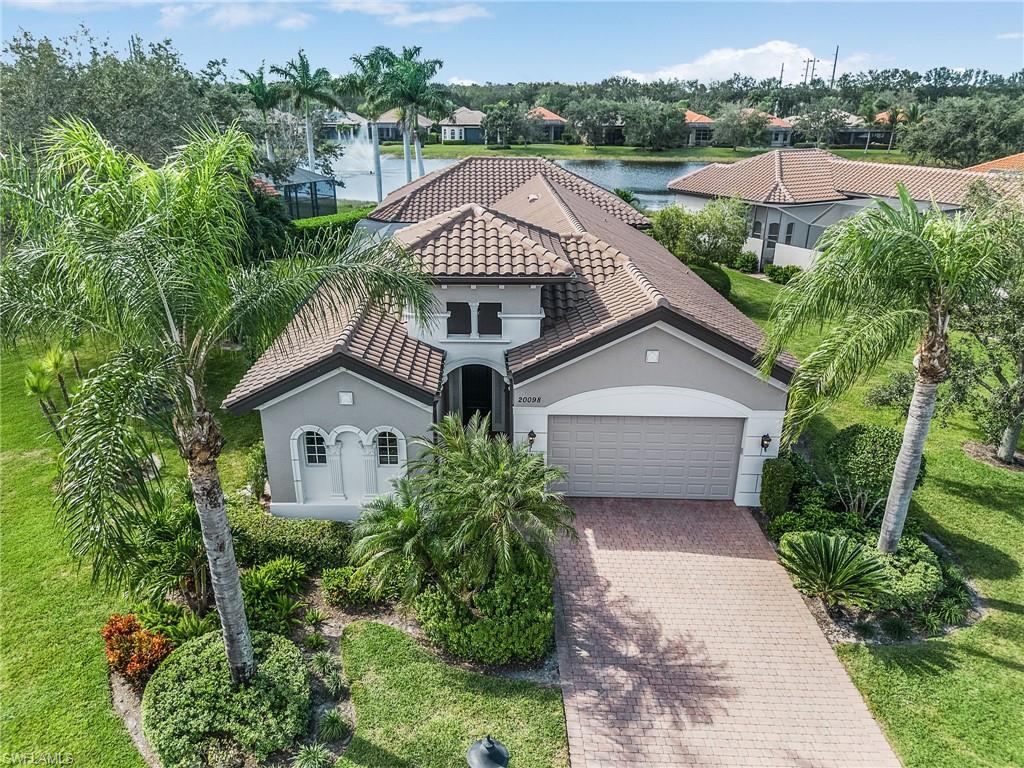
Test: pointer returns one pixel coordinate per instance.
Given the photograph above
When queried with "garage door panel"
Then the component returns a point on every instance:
(649, 457)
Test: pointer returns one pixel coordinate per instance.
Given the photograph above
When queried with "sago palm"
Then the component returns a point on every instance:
(304, 87)
(265, 97)
(154, 255)
(887, 277)
(835, 569)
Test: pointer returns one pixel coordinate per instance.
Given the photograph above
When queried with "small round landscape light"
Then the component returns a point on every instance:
(766, 441)
(488, 752)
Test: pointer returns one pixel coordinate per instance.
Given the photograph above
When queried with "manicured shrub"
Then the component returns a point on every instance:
(259, 536)
(833, 568)
(333, 726)
(267, 590)
(913, 576)
(132, 651)
(745, 262)
(781, 275)
(715, 276)
(813, 511)
(515, 623)
(344, 222)
(346, 587)
(861, 459)
(776, 484)
(256, 469)
(894, 392)
(190, 701)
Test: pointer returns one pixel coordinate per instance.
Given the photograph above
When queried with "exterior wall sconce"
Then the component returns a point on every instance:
(766, 441)
(531, 437)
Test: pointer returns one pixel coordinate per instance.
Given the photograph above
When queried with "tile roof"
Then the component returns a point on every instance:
(697, 117)
(543, 113)
(773, 121)
(794, 176)
(471, 242)
(465, 116)
(485, 180)
(374, 337)
(394, 115)
(1012, 163)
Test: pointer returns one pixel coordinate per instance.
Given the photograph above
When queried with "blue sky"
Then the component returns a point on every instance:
(567, 41)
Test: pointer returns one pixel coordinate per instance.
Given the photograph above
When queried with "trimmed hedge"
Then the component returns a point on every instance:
(191, 707)
(745, 262)
(781, 275)
(516, 621)
(913, 575)
(345, 221)
(776, 483)
(259, 537)
(715, 276)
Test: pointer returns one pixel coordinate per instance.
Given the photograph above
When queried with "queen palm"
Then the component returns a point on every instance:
(869, 114)
(265, 96)
(155, 255)
(887, 277)
(304, 87)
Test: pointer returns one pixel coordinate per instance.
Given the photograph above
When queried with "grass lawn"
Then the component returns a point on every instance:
(414, 710)
(581, 152)
(956, 701)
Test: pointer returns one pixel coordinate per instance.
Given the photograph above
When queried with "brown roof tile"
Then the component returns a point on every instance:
(543, 113)
(484, 181)
(1012, 163)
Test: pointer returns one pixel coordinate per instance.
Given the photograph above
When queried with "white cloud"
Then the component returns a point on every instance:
(281, 15)
(1010, 36)
(761, 61)
(461, 81)
(173, 16)
(405, 15)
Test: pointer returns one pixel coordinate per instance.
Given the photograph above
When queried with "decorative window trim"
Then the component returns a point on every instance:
(387, 449)
(314, 446)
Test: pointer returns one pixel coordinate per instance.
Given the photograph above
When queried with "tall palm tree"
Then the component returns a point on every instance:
(869, 115)
(265, 96)
(893, 116)
(304, 87)
(365, 82)
(885, 277)
(156, 254)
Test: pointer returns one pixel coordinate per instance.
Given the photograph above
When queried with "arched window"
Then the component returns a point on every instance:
(387, 449)
(316, 448)
(756, 231)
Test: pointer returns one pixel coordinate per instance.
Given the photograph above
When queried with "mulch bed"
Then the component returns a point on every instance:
(987, 454)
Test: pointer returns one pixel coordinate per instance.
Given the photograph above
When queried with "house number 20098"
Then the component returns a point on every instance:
(528, 399)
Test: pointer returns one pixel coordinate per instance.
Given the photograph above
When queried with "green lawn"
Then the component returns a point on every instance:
(957, 701)
(580, 152)
(414, 710)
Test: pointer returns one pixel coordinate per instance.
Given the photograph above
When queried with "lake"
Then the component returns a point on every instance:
(647, 180)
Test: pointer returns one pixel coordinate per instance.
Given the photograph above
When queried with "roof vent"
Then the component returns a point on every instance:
(533, 198)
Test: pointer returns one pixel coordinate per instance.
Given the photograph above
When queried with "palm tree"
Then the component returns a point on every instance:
(893, 116)
(156, 255)
(265, 96)
(885, 277)
(365, 82)
(55, 362)
(304, 87)
(868, 114)
(39, 385)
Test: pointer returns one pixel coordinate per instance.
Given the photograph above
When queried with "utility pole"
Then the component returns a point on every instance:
(835, 61)
(814, 63)
(781, 73)
(807, 68)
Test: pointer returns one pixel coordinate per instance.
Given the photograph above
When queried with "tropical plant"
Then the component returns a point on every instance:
(322, 663)
(315, 618)
(366, 82)
(56, 362)
(304, 86)
(39, 384)
(885, 277)
(265, 97)
(333, 726)
(835, 569)
(314, 755)
(315, 641)
(152, 254)
(335, 683)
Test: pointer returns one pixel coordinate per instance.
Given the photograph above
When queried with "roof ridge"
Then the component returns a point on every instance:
(780, 184)
(836, 159)
(443, 219)
(560, 202)
(514, 233)
(611, 196)
(350, 327)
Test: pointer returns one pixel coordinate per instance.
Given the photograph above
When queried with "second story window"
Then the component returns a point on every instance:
(459, 323)
(489, 319)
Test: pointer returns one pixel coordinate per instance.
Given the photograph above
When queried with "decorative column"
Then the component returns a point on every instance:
(474, 322)
(370, 466)
(334, 464)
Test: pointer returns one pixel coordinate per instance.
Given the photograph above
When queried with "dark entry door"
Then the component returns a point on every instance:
(476, 391)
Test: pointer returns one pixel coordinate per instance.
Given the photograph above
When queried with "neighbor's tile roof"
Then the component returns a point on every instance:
(1011, 163)
(484, 180)
(375, 337)
(773, 121)
(697, 117)
(470, 241)
(394, 115)
(543, 113)
(788, 176)
(465, 116)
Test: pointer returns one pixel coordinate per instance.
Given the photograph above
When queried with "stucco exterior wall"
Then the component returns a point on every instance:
(319, 406)
(786, 255)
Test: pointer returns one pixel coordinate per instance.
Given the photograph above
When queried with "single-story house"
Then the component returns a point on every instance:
(304, 193)
(556, 315)
(340, 124)
(701, 129)
(778, 132)
(1008, 164)
(465, 125)
(795, 194)
(553, 125)
(389, 128)
(853, 133)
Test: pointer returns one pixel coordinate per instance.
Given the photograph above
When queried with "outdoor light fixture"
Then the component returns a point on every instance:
(531, 437)
(766, 440)
(488, 752)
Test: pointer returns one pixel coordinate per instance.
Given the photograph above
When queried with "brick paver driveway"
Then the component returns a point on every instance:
(681, 642)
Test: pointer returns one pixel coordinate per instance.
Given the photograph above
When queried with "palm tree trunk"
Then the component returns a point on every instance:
(200, 444)
(78, 365)
(419, 153)
(892, 135)
(908, 462)
(53, 424)
(405, 151)
(310, 155)
(1008, 442)
(63, 390)
(266, 138)
(867, 142)
(375, 137)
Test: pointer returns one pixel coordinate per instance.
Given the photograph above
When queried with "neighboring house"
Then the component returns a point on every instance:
(796, 193)
(1008, 164)
(778, 132)
(701, 129)
(304, 193)
(553, 125)
(340, 125)
(854, 133)
(465, 125)
(389, 128)
(558, 317)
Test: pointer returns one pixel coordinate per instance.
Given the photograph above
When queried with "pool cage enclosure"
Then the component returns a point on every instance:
(307, 194)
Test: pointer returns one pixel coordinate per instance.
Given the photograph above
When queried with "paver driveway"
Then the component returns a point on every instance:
(681, 642)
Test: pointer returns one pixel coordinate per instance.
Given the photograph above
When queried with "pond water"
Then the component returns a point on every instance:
(647, 180)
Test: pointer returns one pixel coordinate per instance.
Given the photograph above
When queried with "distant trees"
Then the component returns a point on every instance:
(822, 120)
(590, 117)
(740, 126)
(959, 132)
(504, 122)
(653, 124)
(306, 87)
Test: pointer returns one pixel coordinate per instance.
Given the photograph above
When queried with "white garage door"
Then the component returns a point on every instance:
(646, 456)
